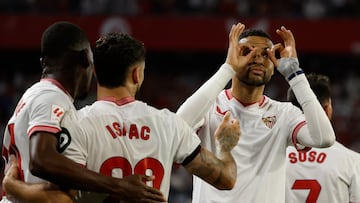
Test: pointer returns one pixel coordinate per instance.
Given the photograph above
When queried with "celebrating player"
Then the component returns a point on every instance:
(267, 126)
(32, 131)
(120, 136)
(328, 175)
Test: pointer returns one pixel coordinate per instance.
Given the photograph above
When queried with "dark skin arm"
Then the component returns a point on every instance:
(47, 163)
(16, 190)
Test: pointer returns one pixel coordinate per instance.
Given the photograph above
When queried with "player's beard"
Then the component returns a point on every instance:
(256, 81)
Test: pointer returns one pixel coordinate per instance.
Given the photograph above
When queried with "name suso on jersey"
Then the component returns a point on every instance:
(310, 156)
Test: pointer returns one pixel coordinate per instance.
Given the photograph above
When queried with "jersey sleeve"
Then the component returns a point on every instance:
(46, 112)
(195, 107)
(354, 187)
(74, 144)
(187, 140)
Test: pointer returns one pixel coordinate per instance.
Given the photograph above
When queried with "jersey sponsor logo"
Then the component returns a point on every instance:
(64, 140)
(269, 121)
(57, 112)
(220, 112)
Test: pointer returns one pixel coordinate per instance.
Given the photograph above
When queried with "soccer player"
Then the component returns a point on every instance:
(330, 175)
(32, 131)
(118, 135)
(267, 126)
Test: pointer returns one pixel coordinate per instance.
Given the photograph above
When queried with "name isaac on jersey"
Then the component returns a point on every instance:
(115, 130)
(310, 156)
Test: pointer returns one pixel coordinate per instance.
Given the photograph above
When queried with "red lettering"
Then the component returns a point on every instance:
(117, 129)
(292, 157)
(112, 133)
(145, 133)
(133, 132)
(321, 158)
(302, 156)
(19, 107)
(311, 156)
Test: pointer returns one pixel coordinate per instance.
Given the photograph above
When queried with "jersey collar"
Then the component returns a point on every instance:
(57, 84)
(229, 96)
(118, 102)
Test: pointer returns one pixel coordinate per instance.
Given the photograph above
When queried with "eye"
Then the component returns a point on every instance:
(265, 53)
(246, 51)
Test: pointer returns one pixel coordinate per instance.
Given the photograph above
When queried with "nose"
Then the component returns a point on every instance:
(258, 56)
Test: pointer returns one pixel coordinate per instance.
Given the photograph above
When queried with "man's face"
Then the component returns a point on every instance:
(260, 68)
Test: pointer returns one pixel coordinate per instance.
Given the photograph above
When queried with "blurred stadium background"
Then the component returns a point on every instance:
(186, 42)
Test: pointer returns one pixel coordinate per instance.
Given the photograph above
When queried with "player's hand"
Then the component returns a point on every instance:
(228, 133)
(138, 192)
(11, 171)
(287, 50)
(238, 56)
(11, 174)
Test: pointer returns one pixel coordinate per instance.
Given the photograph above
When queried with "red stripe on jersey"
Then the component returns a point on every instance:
(228, 94)
(56, 83)
(14, 150)
(294, 137)
(49, 129)
(120, 102)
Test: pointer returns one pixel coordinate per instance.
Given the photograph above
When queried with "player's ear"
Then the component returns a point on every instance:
(136, 74)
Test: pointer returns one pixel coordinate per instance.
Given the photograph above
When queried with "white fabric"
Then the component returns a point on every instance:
(319, 132)
(335, 169)
(41, 108)
(142, 140)
(266, 130)
(207, 92)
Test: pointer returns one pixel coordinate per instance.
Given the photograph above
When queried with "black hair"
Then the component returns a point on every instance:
(114, 54)
(254, 32)
(61, 38)
(320, 84)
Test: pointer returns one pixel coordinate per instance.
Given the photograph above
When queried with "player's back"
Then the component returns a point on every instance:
(40, 108)
(330, 175)
(130, 137)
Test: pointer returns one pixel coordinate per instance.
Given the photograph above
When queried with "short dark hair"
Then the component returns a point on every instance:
(114, 54)
(254, 32)
(60, 38)
(320, 84)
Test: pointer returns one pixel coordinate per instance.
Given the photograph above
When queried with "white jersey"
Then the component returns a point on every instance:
(267, 128)
(41, 108)
(125, 137)
(330, 175)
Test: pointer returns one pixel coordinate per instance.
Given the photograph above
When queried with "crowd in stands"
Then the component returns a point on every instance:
(311, 9)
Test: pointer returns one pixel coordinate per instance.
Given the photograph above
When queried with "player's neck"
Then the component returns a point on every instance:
(118, 93)
(247, 94)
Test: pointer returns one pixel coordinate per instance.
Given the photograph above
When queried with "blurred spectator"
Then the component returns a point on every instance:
(312, 9)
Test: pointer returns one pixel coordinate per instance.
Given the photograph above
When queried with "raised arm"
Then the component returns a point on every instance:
(318, 132)
(195, 107)
(219, 171)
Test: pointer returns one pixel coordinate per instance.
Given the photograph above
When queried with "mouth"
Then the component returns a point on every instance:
(256, 69)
